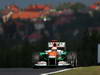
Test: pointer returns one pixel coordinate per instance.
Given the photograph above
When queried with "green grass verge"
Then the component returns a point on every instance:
(93, 70)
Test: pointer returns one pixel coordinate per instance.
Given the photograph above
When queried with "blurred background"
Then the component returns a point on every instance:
(27, 29)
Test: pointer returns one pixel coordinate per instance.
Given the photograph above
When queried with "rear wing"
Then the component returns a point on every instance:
(57, 44)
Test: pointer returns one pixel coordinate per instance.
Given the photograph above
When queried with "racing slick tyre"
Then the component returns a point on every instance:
(35, 59)
(72, 59)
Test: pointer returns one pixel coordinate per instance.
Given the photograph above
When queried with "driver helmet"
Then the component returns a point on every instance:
(54, 48)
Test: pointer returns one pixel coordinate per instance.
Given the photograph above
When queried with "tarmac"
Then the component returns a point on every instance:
(27, 71)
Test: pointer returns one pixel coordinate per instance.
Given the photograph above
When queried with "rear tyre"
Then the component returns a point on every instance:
(72, 59)
(35, 59)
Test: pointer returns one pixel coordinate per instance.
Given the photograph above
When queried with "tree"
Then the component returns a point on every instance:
(77, 6)
(74, 6)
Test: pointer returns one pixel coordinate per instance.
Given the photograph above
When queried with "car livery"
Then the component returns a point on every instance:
(56, 55)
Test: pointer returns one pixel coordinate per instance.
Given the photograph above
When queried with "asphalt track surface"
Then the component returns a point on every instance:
(27, 71)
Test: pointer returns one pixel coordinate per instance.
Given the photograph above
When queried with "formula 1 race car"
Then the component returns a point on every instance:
(56, 55)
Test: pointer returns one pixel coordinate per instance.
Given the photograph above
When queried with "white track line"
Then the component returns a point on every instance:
(57, 71)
